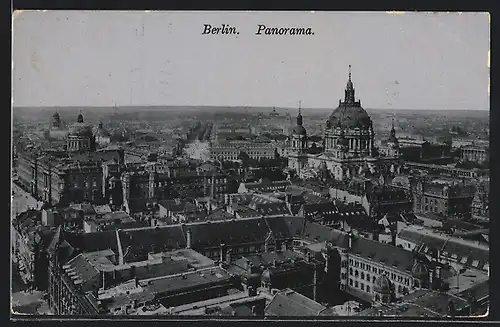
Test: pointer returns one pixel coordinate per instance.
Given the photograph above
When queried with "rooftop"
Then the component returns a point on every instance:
(290, 303)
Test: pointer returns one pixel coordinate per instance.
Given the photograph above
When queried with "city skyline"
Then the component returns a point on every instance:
(456, 60)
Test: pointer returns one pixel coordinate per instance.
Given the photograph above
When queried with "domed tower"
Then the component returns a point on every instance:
(354, 121)
(383, 290)
(102, 136)
(393, 143)
(80, 137)
(299, 135)
(56, 120)
(420, 272)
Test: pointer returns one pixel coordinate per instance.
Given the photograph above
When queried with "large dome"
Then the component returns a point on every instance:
(299, 130)
(349, 115)
(419, 270)
(80, 128)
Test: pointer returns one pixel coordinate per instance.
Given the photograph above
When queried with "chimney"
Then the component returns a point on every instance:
(228, 256)
(222, 253)
(254, 310)
(188, 238)
(136, 281)
(103, 280)
(350, 240)
(274, 262)
(252, 291)
(283, 246)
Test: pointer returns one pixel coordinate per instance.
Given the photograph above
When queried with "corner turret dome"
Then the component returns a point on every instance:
(383, 285)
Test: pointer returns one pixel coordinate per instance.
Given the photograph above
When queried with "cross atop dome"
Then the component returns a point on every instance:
(80, 117)
(349, 91)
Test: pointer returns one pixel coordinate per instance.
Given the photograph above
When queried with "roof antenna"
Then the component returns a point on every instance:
(300, 105)
(349, 72)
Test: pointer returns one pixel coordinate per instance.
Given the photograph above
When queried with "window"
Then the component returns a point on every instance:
(368, 288)
(380, 271)
(356, 284)
(362, 275)
(400, 289)
(356, 273)
(463, 260)
(368, 277)
(475, 263)
(350, 281)
(362, 286)
(343, 276)
(350, 271)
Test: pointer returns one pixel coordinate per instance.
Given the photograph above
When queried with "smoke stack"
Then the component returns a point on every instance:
(222, 253)
(188, 238)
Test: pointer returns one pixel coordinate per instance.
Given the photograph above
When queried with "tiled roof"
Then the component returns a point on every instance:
(141, 241)
(175, 283)
(465, 252)
(282, 227)
(80, 268)
(295, 225)
(386, 254)
(318, 233)
(212, 234)
(290, 303)
(90, 242)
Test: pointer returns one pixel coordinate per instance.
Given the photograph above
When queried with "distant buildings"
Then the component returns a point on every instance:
(442, 196)
(479, 154)
(231, 151)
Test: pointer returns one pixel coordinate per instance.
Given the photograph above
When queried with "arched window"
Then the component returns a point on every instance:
(356, 273)
(374, 279)
(368, 277)
(350, 271)
(368, 288)
(377, 297)
(356, 284)
(362, 275)
(400, 289)
(350, 281)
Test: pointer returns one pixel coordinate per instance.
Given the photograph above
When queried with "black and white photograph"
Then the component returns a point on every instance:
(250, 165)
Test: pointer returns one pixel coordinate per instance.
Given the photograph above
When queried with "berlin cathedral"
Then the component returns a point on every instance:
(348, 144)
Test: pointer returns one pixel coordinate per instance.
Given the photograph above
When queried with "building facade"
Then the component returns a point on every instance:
(348, 148)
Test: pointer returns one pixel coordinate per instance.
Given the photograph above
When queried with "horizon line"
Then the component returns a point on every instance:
(241, 106)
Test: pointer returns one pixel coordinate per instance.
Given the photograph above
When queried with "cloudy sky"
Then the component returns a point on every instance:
(400, 61)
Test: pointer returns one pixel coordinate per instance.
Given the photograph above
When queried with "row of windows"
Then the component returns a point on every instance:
(374, 269)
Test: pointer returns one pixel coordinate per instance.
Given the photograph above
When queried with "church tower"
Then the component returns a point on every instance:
(297, 158)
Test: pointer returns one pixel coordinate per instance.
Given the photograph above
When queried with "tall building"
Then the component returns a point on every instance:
(348, 143)
(77, 174)
(80, 137)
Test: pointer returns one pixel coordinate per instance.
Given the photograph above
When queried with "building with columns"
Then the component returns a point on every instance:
(348, 143)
